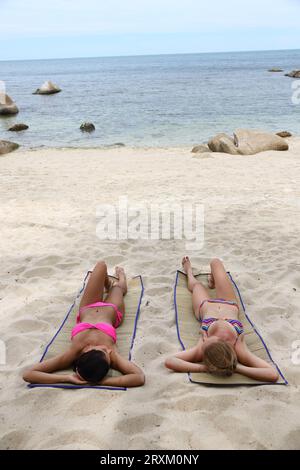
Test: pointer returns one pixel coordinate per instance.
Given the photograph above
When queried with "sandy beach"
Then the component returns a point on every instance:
(48, 241)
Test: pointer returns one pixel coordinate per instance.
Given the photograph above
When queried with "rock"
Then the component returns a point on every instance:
(275, 70)
(6, 147)
(284, 134)
(223, 143)
(116, 145)
(7, 106)
(202, 148)
(293, 74)
(87, 127)
(18, 127)
(247, 142)
(48, 88)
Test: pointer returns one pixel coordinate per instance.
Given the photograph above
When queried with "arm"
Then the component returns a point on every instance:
(188, 360)
(42, 372)
(265, 374)
(253, 366)
(132, 375)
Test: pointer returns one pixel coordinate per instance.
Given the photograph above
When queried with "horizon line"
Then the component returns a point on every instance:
(149, 55)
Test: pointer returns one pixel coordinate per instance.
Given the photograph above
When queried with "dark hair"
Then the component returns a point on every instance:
(92, 366)
(220, 358)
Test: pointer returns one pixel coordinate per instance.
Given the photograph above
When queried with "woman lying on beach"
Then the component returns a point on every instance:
(222, 348)
(93, 348)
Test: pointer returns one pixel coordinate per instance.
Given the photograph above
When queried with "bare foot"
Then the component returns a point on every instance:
(186, 264)
(120, 274)
(210, 281)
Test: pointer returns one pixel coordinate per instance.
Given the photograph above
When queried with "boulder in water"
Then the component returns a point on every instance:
(18, 127)
(118, 144)
(87, 127)
(6, 147)
(115, 145)
(275, 70)
(293, 74)
(48, 88)
(7, 106)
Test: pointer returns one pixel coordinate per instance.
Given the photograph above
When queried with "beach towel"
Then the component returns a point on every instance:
(188, 333)
(125, 333)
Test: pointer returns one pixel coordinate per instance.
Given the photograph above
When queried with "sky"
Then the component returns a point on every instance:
(31, 29)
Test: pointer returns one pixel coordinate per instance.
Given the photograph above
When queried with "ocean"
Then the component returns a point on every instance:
(151, 101)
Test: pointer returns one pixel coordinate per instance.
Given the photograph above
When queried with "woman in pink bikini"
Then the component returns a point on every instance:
(221, 349)
(93, 348)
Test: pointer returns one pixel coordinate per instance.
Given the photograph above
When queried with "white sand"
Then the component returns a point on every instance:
(48, 241)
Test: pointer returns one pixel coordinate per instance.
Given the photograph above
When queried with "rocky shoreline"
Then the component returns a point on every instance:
(243, 142)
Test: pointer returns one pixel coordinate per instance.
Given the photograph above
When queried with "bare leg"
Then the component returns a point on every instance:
(95, 286)
(118, 290)
(199, 291)
(108, 283)
(219, 278)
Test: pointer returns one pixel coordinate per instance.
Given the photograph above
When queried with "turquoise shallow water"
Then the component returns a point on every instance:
(169, 100)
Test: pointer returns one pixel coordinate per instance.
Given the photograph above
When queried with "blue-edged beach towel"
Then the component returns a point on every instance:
(188, 333)
(126, 331)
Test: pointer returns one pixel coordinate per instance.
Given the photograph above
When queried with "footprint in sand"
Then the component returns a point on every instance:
(13, 440)
(155, 350)
(27, 325)
(16, 347)
(39, 272)
(49, 260)
(291, 441)
(140, 424)
(71, 440)
(114, 260)
(65, 266)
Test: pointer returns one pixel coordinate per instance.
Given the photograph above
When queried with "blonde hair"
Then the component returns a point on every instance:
(220, 358)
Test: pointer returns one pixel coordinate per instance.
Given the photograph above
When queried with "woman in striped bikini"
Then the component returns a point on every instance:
(221, 349)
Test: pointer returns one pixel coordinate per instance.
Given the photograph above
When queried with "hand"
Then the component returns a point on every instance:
(74, 379)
